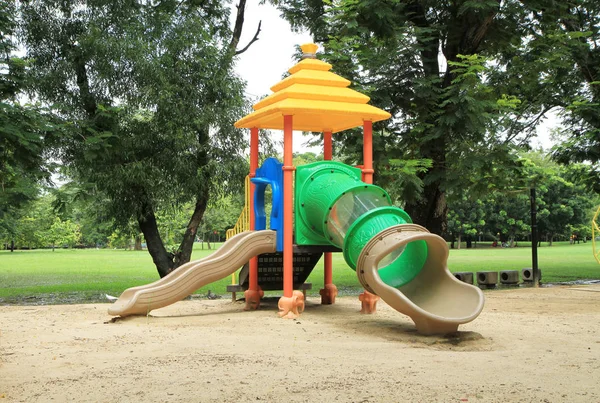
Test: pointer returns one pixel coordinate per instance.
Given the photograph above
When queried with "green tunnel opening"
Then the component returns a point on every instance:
(334, 205)
(399, 267)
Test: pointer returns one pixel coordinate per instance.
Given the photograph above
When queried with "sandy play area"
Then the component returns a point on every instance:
(528, 345)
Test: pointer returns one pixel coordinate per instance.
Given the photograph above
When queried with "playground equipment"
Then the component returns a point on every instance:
(337, 208)
(399, 261)
(187, 278)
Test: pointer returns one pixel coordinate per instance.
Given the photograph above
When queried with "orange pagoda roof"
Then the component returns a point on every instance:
(318, 100)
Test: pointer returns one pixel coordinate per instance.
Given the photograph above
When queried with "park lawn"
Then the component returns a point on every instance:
(70, 276)
(559, 263)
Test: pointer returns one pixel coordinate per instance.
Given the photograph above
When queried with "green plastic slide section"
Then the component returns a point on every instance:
(333, 206)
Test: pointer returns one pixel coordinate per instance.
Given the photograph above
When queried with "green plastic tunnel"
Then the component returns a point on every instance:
(334, 206)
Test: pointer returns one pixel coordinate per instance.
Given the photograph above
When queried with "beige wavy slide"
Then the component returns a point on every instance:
(187, 278)
(435, 300)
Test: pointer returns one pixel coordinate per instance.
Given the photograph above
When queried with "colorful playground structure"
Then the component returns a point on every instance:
(328, 207)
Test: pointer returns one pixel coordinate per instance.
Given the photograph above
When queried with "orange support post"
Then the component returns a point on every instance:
(368, 152)
(328, 268)
(253, 280)
(329, 292)
(253, 294)
(288, 214)
(327, 146)
(292, 302)
(368, 300)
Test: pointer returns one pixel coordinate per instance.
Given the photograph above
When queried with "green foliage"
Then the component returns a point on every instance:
(149, 150)
(306, 158)
(119, 240)
(151, 97)
(28, 227)
(221, 215)
(466, 217)
(402, 180)
(63, 233)
(507, 215)
(564, 206)
(564, 202)
(556, 67)
(25, 131)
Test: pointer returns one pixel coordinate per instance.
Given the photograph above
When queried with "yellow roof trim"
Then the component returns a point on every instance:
(314, 77)
(310, 64)
(313, 115)
(315, 93)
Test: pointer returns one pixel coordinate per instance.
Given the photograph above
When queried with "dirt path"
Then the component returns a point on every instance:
(527, 346)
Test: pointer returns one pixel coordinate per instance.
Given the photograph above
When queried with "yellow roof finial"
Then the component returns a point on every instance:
(309, 51)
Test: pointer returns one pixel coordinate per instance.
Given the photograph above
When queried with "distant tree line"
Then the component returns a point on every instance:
(46, 223)
(564, 207)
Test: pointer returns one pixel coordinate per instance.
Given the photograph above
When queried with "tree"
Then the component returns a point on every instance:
(557, 67)
(507, 215)
(465, 217)
(151, 97)
(25, 132)
(63, 233)
(220, 216)
(306, 158)
(563, 204)
(30, 224)
(84, 205)
(428, 64)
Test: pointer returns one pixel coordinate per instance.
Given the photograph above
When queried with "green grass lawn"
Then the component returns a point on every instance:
(68, 276)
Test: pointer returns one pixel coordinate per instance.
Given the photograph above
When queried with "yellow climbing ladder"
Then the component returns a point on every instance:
(595, 233)
(243, 222)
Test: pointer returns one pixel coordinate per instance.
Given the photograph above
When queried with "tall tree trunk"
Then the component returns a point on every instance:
(162, 259)
(431, 210)
(465, 38)
(459, 241)
(184, 254)
(138, 243)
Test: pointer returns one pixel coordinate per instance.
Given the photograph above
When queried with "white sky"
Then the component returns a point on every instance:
(551, 121)
(265, 62)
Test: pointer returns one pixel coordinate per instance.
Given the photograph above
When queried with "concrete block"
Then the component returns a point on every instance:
(464, 276)
(487, 279)
(527, 274)
(509, 277)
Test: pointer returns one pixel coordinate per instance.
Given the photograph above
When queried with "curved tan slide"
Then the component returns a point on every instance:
(189, 277)
(435, 300)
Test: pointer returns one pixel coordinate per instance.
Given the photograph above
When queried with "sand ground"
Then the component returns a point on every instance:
(528, 345)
